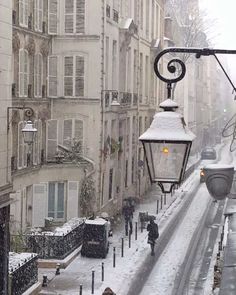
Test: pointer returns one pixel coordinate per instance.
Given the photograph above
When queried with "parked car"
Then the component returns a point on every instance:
(202, 175)
(208, 153)
(95, 238)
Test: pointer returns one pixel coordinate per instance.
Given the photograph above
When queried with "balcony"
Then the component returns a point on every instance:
(125, 98)
(109, 97)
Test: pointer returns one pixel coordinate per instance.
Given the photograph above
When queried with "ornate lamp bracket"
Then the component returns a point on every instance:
(177, 63)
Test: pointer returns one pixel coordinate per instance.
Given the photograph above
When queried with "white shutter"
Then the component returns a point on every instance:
(40, 73)
(36, 71)
(52, 76)
(36, 15)
(26, 12)
(51, 139)
(68, 76)
(26, 69)
(35, 145)
(15, 211)
(72, 199)
(21, 72)
(80, 16)
(21, 12)
(79, 76)
(52, 16)
(39, 205)
(40, 15)
(20, 145)
(67, 132)
(69, 16)
(79, 131)
(39, 136)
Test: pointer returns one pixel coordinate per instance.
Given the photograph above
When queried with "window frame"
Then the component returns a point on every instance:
(56, 197)
(37, 12)
(74, 77)
(75, 16)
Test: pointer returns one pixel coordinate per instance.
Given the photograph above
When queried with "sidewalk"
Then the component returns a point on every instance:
(79, 272)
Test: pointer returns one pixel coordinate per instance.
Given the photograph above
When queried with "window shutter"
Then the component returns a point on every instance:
(68, 76)
(52, 16)
(52, 76)
(36, 15)
(67, 133)
(80, 16)
(78, 133)
(21, 72)
(51, 139)
(26, 12)
(40, 72)
(35, 145)
(36, 71)
(72, 200)
(39, 205)
(40, 15)
(39, 136)
(69, 16)
(20, 145)
(79, 76)
(21, 12)
(26, 73)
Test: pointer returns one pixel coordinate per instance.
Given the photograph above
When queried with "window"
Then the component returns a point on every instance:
(56, 199)
(38, 15)
(52, 16)
(107, 63)
(74, 16)
(135, 82)
(133, 170)
(52, 76)
(147, 19)
(110, 184)
(38, 70)
(23, 12)
(72, 130)
(73, 76)
(22, 147)
(141, 77)
(133, 130)
(23, 73)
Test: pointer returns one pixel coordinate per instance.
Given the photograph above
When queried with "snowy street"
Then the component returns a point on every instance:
(128, 268)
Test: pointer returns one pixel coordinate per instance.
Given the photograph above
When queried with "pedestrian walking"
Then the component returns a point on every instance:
(108, 291)
(153, 234)
(127, 211)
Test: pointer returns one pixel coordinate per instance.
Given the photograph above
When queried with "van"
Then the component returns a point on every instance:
(96, 238)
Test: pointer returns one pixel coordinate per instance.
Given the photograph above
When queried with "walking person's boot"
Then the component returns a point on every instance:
(152, 250)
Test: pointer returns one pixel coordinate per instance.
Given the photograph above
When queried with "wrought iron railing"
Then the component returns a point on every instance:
(51, 245)
(125, 98)
(23, 272)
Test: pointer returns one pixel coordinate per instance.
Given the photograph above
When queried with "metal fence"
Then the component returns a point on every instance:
(23, 277)
(55, 246)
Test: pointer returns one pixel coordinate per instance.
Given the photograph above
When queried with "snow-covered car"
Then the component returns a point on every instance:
(208, 153)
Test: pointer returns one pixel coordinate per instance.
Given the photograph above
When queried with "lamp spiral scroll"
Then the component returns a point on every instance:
(172, 68)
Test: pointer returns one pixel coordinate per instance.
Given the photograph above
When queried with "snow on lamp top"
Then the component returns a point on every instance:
(168, 125)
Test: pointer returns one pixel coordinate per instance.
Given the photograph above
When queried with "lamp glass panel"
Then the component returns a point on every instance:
(165, 160)
(28, 136)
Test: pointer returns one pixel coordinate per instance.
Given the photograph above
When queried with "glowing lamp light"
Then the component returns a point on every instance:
(167, 143)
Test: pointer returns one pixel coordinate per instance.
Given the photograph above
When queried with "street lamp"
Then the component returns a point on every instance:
(167, 142)
(29, 132)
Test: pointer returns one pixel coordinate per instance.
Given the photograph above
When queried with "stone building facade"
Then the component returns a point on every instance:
(5, 150)
(85, 68)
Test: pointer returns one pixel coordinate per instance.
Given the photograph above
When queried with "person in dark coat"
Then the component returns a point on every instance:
(127, 211)
(108, 291)
(153, 234)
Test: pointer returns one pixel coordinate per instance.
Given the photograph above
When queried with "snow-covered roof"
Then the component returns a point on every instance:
(218, 166)
(167, 126)
(125, 23)
(97, 221)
